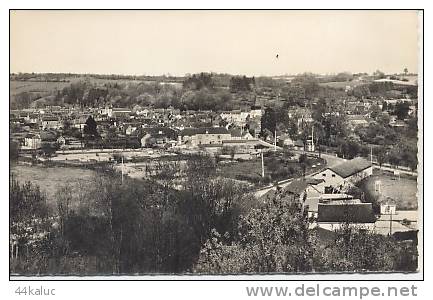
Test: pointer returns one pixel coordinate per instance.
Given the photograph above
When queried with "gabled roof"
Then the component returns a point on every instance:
(341, 213)
(158, 132)
(297, 186)
(350, 167)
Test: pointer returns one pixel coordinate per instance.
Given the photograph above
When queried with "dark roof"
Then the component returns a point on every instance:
(158, 132)
(236, 132)
(296, 186)
(204, 130)
(351, 167)
(119, 109)
(49, 118)
(236, 141)
(340, 213)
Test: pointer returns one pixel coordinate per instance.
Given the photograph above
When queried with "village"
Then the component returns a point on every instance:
(207, 143)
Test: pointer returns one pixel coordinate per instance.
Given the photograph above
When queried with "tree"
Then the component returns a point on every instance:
(269, 120)
(401, 110)
(303, 160)
(355, 249)
(22, 100)
(405, 71)
(271, 238)
(379, 74)
(90, 128)
(381, 156)
(26, 201)
(48, 149)
(64, 202)
(13, 150)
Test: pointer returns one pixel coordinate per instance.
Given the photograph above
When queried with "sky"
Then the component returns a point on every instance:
(234, 42)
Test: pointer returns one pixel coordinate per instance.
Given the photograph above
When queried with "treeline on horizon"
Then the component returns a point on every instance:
(204, 91)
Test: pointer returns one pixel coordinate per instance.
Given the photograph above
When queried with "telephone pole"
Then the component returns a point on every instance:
(263, 164)
(122, 169)
(390, 224)
(312, 138)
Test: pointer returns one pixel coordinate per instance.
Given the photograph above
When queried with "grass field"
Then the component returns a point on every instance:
(403, 191)
(50, 178)
(275, 169)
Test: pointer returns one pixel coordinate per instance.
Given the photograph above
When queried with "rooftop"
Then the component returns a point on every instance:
(204, 130)
(351, 167)
(340, 213)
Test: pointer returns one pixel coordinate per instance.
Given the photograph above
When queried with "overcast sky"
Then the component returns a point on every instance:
(235, 42)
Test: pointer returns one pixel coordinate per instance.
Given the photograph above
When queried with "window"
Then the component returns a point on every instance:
(324, 174)
(333, 175)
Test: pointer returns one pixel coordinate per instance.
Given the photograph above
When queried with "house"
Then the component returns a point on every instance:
(157, 135)
(333, 216)
(342, 176)
(298, 145)
(31, 118)
(33, 141)
(302, 189)
(50, 122)
(312, 202)
(256, 112)
(119, 113)
(205, 135)
(80, 121)
(237, 134)
(61, 141)
(285, 141)
(131, 128)
(357, 121)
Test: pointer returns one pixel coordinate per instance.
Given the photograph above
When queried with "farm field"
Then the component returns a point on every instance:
(403, 191)
(17, 87)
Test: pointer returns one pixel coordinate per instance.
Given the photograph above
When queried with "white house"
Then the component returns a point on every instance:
(32, 141)
(51, 123)
(341, 177)
(204, 136)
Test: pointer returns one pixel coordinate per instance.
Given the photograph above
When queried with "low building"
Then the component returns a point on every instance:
(206, 135)
(119, 113)
(333, 216)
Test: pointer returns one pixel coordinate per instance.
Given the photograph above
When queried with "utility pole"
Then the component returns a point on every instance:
(275, 139)
(371, 155)
(390, 223)
(122, 169)
(312, 138)
(263, 164)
